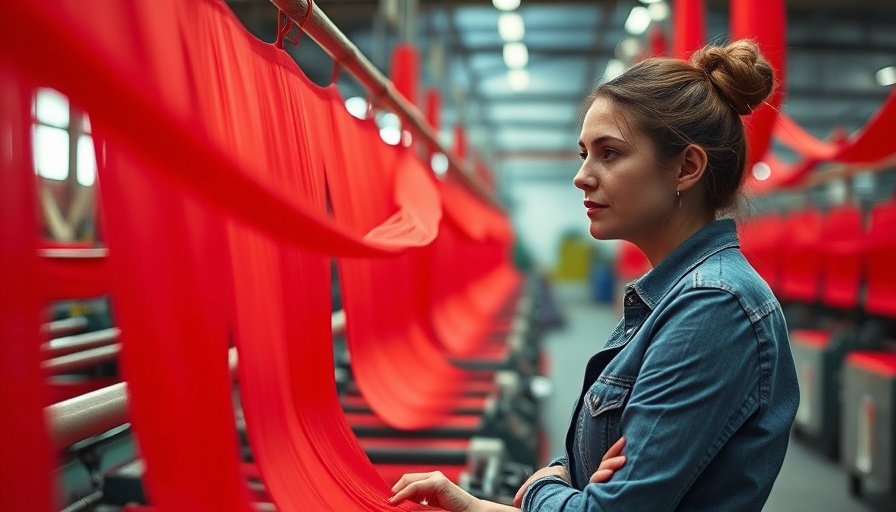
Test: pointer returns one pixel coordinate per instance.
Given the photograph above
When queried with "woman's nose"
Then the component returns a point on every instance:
(582, 180)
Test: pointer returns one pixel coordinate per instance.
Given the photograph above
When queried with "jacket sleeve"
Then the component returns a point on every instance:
(701, 368)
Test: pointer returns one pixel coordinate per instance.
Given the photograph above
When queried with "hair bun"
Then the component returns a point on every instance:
(739, 72)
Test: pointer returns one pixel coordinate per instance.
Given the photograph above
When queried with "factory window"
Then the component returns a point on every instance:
(51, 134)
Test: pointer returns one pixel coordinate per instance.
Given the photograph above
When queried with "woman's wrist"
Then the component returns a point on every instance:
(490, 506)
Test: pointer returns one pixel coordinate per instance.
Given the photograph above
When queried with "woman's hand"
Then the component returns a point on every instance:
(436, 490)
(611, 462)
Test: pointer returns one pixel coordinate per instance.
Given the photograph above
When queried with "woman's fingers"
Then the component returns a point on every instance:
(607, 469)
(615, 450)
(409, 478)
(435, 489)
(612, 461)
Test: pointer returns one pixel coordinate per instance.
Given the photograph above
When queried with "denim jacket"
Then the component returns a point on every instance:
(699, 378)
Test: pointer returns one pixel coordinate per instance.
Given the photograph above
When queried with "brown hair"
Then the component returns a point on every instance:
(678, 103)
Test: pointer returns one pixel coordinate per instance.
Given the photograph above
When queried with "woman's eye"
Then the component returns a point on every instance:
(610, 153)
(583, 154)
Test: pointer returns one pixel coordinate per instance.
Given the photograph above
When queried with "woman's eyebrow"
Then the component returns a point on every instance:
(602, 139)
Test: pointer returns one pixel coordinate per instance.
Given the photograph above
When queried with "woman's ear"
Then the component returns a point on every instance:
(692, 165)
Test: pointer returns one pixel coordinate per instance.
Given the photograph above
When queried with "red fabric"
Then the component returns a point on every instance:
(25, 478)
(631, 262)
(192, 177)
(761, 243)
(801, 141)
(873, 143)
(460, 144)
(801, 256)
(765, 23)
(817, 340)
(79, 43)
(881, 246)
(657, 39)
(77, 271)
(396, 360)
(881, 363)
(406, 70)
(470, 277)
(842, 247)
(689, 27)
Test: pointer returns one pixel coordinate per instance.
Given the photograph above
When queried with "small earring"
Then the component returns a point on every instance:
(678, 194)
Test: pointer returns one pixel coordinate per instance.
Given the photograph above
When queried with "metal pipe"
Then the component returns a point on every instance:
(350, 58)
(92, 413)
(81, 360)
(64, 327)
(74, 253)
(79, 342)
(87, 415)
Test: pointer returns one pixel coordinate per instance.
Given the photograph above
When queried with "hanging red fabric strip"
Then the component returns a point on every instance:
(688, 27)
(796, 138)
(25, 478)
(765, 23)
(406, 70)
(73, 271)
(77, 45)
(881, 241)
(657, 39)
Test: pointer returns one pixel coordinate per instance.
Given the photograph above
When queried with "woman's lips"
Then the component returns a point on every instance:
(594, 208)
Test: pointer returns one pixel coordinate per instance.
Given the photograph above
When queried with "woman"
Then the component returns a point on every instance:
(698, 375)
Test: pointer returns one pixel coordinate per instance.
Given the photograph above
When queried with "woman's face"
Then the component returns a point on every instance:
(628, 194)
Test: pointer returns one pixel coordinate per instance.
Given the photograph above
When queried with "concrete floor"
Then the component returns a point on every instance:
(808, 482)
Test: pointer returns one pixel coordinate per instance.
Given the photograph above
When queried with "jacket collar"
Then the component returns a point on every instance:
(712, 238)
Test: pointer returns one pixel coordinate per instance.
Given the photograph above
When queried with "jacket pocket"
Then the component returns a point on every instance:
(601, 424)
(605, 396)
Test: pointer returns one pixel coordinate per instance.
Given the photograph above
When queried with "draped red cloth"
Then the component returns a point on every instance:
(688, 27)
(631, 262)
(765, 23)
(881, 246)
(71, 271)
(212, 179)
(761, 241)
(77, 43)
(25, 476)
(842, 237)
(469, 271)
(800, 265)
(406, 70)
(873, 143)
(657, 39)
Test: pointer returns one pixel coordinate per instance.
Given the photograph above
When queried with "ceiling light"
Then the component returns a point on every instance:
(510, 26)
(439, 163)
(762, 171)
(637, 20)
(516, 55)
(390, 135)
(886, 76)
(614, 68)
(357, 106)
(628, 48)
(650, 1)
(506, 5)
(658, 11)
(518, 78)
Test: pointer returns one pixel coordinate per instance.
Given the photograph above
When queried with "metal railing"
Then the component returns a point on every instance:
(93, 413)
(319, 27)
